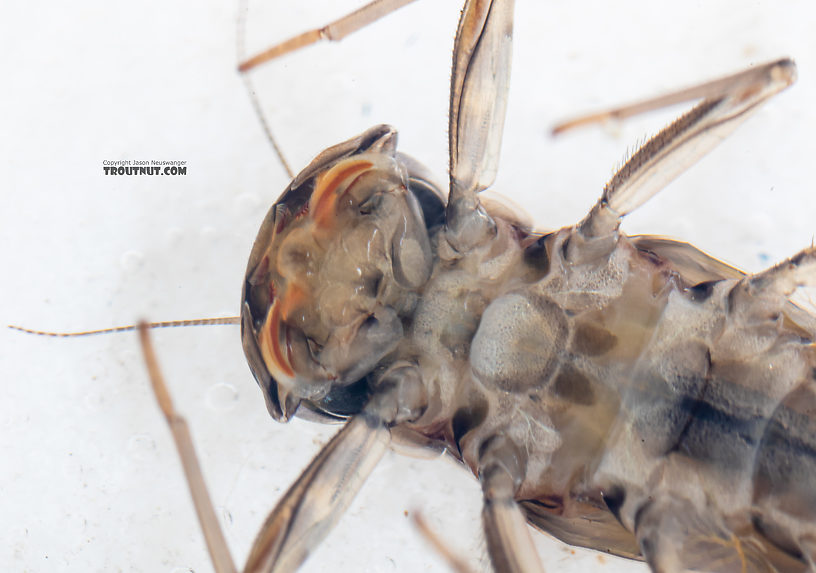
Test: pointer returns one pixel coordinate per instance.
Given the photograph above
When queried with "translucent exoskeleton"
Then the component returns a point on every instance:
(129, 492)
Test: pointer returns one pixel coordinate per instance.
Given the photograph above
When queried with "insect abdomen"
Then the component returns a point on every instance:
(682, 410)
(715, 438)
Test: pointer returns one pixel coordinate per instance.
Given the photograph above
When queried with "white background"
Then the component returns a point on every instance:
(89, 479)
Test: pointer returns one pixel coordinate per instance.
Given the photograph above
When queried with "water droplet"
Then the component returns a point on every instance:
(222, 397)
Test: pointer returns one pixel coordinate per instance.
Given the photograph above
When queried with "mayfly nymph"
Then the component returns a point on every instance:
(629, 394)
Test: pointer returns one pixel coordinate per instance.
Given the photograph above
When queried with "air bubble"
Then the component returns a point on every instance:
(131, 261)
(222, 397)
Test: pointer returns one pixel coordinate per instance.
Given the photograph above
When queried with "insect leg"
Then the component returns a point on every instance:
(320, 496)
(682, 143)
(216, 544)
(501, 470)
(455, 563)
(333, 31)
(315, 502)
(480, 79)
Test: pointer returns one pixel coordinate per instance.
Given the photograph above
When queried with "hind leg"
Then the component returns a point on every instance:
(724, 104)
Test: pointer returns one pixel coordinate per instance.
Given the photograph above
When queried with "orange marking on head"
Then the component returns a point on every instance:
(271, 292)
(294, 297)
(324, 197)
(270, 343)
